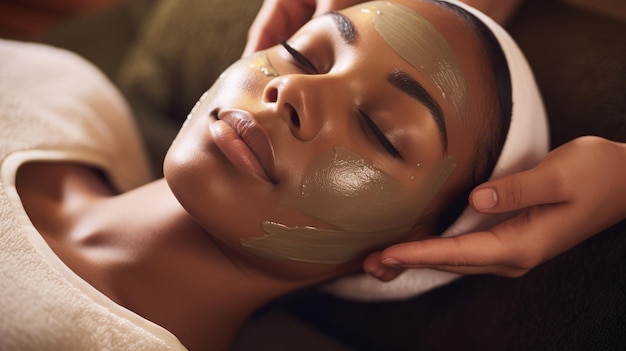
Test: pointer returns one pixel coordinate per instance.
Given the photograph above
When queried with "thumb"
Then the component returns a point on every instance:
(537, 186)
(373, 265)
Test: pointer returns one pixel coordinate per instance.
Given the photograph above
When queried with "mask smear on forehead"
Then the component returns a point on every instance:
(365, 207)
(420, 44)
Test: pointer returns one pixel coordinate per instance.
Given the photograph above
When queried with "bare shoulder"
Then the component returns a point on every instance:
(55, 193)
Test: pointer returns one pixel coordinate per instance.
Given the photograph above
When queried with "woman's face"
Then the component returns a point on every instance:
(348, 134)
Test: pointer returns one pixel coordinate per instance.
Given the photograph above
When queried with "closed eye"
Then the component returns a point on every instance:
(306, 65)
(380, 136)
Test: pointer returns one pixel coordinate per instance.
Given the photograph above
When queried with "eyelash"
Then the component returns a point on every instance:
(380, 136)
(310, 68)
(300, 59)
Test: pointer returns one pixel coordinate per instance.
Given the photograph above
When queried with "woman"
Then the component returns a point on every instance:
(284, 141)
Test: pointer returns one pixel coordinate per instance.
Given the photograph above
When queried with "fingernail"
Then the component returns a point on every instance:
(485, 199)
(390, 262)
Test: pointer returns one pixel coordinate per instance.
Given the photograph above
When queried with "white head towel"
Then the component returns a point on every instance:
(526, 144)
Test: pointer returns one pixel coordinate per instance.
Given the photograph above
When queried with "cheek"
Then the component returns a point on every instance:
(225, 204)
(242, 80)
(367, 208)
(350, 193)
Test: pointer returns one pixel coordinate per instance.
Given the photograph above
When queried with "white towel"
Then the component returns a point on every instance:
(526, 144)
(55, 105)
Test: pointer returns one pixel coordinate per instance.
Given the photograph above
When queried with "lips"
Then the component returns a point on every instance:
(244, 143)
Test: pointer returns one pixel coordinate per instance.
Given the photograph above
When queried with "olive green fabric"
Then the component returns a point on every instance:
(182, 47)
(162, 54)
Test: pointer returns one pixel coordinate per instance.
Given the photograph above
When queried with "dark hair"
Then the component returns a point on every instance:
(493, 133)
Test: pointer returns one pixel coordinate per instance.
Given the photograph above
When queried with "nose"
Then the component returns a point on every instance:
(305, 102)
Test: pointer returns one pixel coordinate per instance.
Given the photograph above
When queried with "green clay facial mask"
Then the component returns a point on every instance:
(419, 43)
(366, 207)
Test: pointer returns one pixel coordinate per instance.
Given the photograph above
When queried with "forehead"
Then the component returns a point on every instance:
(434, 39)
(465, 52)
(421, 45)
(439, 14)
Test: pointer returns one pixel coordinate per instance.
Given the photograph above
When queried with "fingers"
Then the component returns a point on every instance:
(538, 186)
(388, 269)
(475, 249)
(501, 270)
(509, 249)
(277, 19)
(261, 30)
(475, 253)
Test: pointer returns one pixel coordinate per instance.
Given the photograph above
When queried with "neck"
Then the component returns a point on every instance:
(172, 272)
(162, 266)
(155, 261)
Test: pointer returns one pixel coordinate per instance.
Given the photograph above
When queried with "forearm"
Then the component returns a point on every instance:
(500, 10)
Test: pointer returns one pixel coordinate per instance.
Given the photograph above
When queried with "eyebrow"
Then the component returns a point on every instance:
(405, 83)
(344, 26)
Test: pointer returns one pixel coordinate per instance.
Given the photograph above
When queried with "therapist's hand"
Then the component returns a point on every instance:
(279, 19)
(578, 190)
